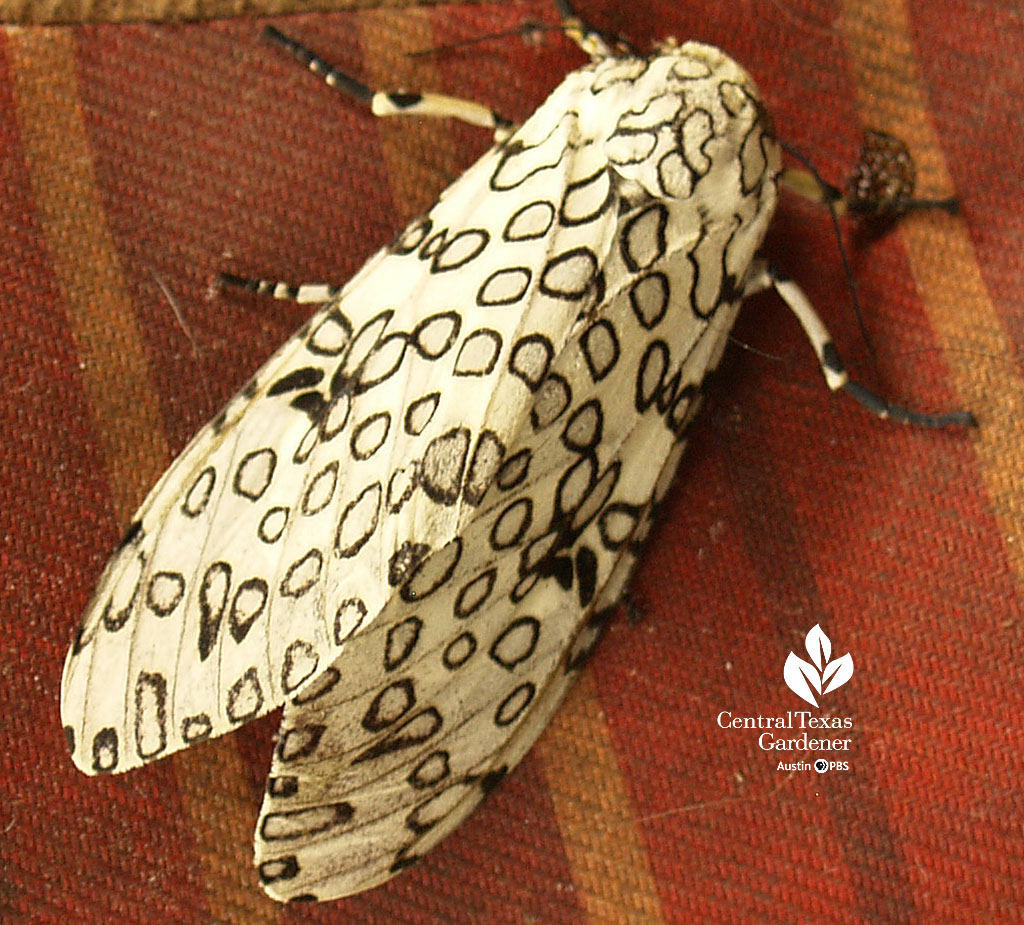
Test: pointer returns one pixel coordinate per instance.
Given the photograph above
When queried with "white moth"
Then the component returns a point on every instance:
(411, 525)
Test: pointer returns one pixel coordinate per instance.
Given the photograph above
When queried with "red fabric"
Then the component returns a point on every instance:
(210, 151)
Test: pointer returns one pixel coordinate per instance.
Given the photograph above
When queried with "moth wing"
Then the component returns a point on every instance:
(423, 713)
(151, 670)
(407, 730)
(427, 710)
(285, 526)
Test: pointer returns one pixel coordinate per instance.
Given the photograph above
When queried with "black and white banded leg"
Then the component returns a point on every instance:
(304, 293)
(381, 104)
(395, 103)
(399, 103)
(764, 276)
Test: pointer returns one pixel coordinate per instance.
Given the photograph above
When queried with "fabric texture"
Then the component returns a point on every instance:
(140, 160)
(73, 12)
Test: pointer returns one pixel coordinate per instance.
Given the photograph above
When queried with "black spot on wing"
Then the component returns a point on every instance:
(105, 751)
(516, 643)
(492, 778)
(324, 683)
(305, 823)
(460, 250)
(401, 641)
(196, 728)
(514, 705)
(586, 575)
(299, 742)
(303, 378)
(459, 651)
(198, 495)
(404, 560)
(569, 275)
(282, 786)
(390, 705)
(530, 222)
(416, 730)
(247, 606)
(150, 714)
(277, 869)
(430, 771)
(530, 360)
(412, 237)
(130, 535)
(443, 465)
(213, 599)
(245, 698)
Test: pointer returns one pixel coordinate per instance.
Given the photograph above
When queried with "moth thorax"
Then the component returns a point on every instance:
(691, 114)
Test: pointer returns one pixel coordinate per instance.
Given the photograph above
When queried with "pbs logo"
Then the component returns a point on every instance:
(822, 766)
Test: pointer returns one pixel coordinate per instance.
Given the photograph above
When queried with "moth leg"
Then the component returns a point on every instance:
(764, 276)
(397, 103)
(882, 183)
(589, 39)
(304, 293)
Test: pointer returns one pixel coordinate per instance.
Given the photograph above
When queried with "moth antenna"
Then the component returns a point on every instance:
(750, 348)
(527, 28)
(572, 26)
(178, 315)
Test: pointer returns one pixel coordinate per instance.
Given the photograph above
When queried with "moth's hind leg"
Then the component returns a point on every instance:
(395, 103)
(303, 293)
(381, 104)
(763, 276)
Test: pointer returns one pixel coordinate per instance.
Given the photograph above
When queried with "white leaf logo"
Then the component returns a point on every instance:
(823, 674)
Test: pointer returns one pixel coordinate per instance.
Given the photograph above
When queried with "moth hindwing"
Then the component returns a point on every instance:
(410, 527)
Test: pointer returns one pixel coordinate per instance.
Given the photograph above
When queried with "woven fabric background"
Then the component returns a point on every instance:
(74, 12)
(139, 160)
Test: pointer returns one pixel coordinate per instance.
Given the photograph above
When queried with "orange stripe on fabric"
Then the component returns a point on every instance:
(978, 352)
(609, 860)
(127, 416)
(86, 264)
